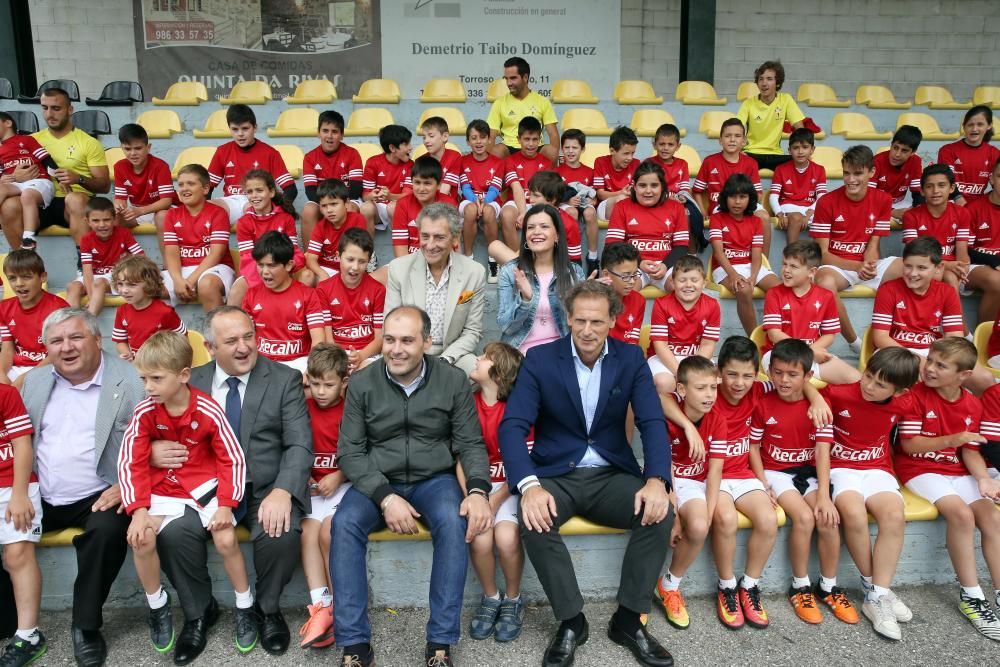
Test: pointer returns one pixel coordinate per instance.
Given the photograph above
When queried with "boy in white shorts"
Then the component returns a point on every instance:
(480, 182)
(326, 377)
(211, 481)
(35, 193)
(20, 527)
(144, 189)
(386, 176)
(938, 458)
(519, 169)
(860, 461)
(797, 185)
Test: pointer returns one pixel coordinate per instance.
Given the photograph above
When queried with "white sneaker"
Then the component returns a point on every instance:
(981, 616)
(902, 612)
(883, 618)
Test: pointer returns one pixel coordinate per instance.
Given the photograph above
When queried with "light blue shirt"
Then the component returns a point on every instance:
(589, 380)
(408, 389)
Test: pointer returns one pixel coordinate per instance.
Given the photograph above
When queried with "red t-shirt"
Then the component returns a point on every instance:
(916, 321)
(786, 436)
(490, 417)
(609, 179)
(683, 330)
(654, 230)
(677, 174)
(714, 433)
(850, 224)
(861, 428)
(134, 326)
(716, 170)
(251, 227)
(738, 237)
(482, 174)
(628, 324)
(574, 242)
(984, 225)
(22, 150)
(103, 255)
(519, 168)
(23, 327)
(195, 234)
(451, 172)
(356, 313)
(15, 424)
(895, 181)
(326, 430)
(284, 320)
(344, 164)
(404, 221)
(379, 172)
(582, 174)
(325, 240)
(952, 226)
(148, 186)
(971, 165)
(798, 188)
(989, 425)
(231, 163)
(805, 317)
(736, 451)
(931, 416)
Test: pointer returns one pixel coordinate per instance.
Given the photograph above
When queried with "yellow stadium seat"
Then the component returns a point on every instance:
(377, 91)
(183, 94)
(160, 123)
(443, 90)
(636, 92)
(594, 150)
(591, 121)
(201, 355)
(572, 91)
(59, 538)
(651, 292)
(857, 292)
(916, 508)
(747, 90)
(699, 93)
(879, 97)
(820, 95)
(644, 337)
(367, 121)
(193, 155)
(248, 92)
(829, 157)
(292, 157)
(938, 97)
(744, 523)
(724, 293)
(867, 349)
(981, 338)
(216, 127)
(988, 96)
(313, 91)
(110, 301)
(577, 525)
(295, 123)
(689, 155)
(711, 123)
(856, 127)
(367, 150)
(759, 338)
(645, 121)
(498, 88)
(421, 150)
(112, 156)
(928, 126)
(451, 115)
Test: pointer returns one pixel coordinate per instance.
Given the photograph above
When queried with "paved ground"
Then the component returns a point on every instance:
(938, 635)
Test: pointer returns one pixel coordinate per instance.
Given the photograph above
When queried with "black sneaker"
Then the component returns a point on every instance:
(29, 243)
(161, 627)
(492, 278)
(437, 656)
(247, 630)
(22, 652)
(358, 655)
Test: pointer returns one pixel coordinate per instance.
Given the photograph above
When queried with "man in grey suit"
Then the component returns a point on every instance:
(265, 403)
(91, 395)
(445, 284)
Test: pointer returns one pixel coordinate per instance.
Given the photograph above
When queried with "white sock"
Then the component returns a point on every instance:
(866, 583)
(591, 254)
(244, 600)
(326, 600)
(973, 592)
(826, 584)
(670, 582)
(748, 582)
(316, 594)
(875, 593)
(26, 234)
(495, 596)
(727, 583)
(800, 582)
(856, 345)
(968, 337)
(30, 635)
(516, 598)
(997, 593)
(157, 600)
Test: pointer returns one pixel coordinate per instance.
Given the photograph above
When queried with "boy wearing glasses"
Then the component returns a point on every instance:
(621, 272)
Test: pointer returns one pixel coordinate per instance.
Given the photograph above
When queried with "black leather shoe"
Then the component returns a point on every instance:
(194, 635)
(89, 648)
(643, 645)
(274, 635)
(562, 648)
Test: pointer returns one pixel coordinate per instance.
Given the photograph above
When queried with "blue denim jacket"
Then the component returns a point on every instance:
(516, 316)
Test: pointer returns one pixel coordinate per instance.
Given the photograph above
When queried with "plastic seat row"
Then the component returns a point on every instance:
(822, 95)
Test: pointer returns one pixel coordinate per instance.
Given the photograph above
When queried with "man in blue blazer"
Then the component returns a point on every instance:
(576, 392)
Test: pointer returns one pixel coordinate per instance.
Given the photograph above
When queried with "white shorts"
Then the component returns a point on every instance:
(852, 276)
(508, 508)
(106, 277)
(221, 271)
(43, 186)
(326, 506)
(867, 483)
(298, 364)
(765, 362)
(656, 366)
(146, 219)
(782, 481)
(174, 508)
(17, 371)
(688, 489)
(934, 487)
(994, 473)
(737, 488)
(645, 280)
(9, 534)
(236, 204)
(602, 209)
(994, 362)
(793, 208)
(466, 202)
(383, 215)
(719, 273)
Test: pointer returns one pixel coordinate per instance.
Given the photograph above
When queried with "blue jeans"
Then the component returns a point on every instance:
(438, 500)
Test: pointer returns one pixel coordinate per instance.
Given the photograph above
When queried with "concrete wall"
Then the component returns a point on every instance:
(650, 43)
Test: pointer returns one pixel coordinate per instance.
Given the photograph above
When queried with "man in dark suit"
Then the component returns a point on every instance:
(265, 403)
(576, 392)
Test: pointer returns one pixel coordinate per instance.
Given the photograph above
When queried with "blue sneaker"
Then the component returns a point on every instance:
(485, 620)
(510, 620)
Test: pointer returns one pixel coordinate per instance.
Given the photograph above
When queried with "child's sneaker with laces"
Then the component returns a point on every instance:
(883, 618)
(753, 610)
(21, 652)
(902, 612)
(839, 604)
(804, 604)
(674, 606)
(981, 616)
(484, 622)
(317, 631)
(728, 609)
(510, 619)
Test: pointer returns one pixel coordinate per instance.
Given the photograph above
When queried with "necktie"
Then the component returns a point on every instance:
(233, 409)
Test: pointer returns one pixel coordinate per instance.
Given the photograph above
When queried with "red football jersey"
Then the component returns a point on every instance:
(356, 313)
(989, 424)
(15, 424)
(677, 174)
(379, 172)
(574, 243)
(103, 255)
(850, 224)
(798, 188)
(736, 451)
(738, 237)
(285, 320)
(609, 179)
(490, 417)
(344, 164)
(628, 324)
(325, 240)
(984, 218)
(951, 227)
(451, 173)
(583, 174)
(716, 170)
(971, 165)
(252, 226)
(895, 181)
(932, 416)
(805, 317)
(519, 168)
(654, 231)
(683, 330)
(231, 163)
(135, 326)
(786, 436)
(916, 321)
(714, 433)
(148, 186)
(195, 234)
(404, 221)
(22, 150)
(326, 430)
(482, 174)
(861, 428)
(23, 327)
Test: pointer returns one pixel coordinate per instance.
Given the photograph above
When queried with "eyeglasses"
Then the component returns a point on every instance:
(627, 277)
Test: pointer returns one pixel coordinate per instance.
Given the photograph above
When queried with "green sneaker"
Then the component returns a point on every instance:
(21, 652)
(161, 627)
(981, 616)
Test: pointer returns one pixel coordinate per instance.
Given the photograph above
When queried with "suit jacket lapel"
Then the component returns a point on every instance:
(568, 368)
(252, 400)
(609, 379)
(108, 404)
(418, 281)
(456, 279)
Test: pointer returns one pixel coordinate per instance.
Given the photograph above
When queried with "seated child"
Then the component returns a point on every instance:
(966, 154)
(621, 271)
(386, 177)
(211, 482)
(989, 427)
(321, 253)
(797, 185)
(666, 142)
(614, 173)
(425, 177)
(579, 179)
(518, 170)
(481, 181)
(144, 188)
(898, 170)
(984, 247)
(100, 249)
(19, 151)
(436, 136)
(331, 159)
(22, 315)
(943, 220)
(140, 283)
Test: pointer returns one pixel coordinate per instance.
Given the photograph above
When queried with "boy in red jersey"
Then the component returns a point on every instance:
(233, 159)
(326, 376)
(481, 181)
(435, 133)
(797, 308)
(984, 247)
(943, 220)
(989, 427)
(860, 460)
(196, 244)
(899, 169)
(355, 301)
(211, 483)
(22, 315)
(685, 322)
(518, 170)
(938, 458)
(848, 224)
(621, 271)
(20, 150)
(331, 159)
(666, 142)
(386, 177)
(426, 182)
(144, 188)
(785, 453)
(972, 156)
(579, 179)
(139, 283)
(100, 249)
(289, 317)
(321, 252)
(614, 173)
(697, 387)
(797, 185)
